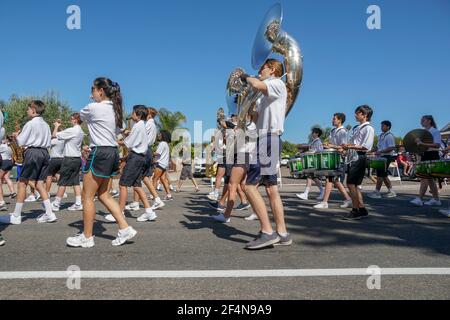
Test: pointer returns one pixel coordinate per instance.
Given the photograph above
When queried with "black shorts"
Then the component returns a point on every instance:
(35, 164)
(70, 172)
(6, 165)
(54, 166)
(381, 173)
(357, 170)
(132, 172)
(157, 166)
(148, 167)
(430, 156)
(103, 162)
(186, 172)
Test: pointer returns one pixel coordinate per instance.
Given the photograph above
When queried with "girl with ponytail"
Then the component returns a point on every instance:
(104, 119)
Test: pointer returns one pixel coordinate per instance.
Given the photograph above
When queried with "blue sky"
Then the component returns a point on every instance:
(178, 55)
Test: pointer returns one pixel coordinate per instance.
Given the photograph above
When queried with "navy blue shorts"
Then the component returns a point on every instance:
(103, 162)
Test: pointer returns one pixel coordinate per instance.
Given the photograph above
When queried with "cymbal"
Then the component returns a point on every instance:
(410, 140)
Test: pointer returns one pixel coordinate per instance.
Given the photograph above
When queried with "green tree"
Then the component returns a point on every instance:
(289, 149)
(168, 120)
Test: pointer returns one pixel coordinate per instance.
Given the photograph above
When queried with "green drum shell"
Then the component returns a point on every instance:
(378, 163)
(309, 161)
(328, 160)
(295, 165)
(439, 168)
(423, 169)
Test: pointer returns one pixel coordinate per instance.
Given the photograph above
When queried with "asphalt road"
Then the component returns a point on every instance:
(184, 237)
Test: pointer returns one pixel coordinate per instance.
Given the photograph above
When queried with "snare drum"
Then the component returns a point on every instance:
(309, 162)
(422, 170)
(439, 169)
(377, 163)
(329, 160)
(295, 167)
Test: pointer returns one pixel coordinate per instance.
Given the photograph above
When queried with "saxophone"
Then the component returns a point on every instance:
(17, 152)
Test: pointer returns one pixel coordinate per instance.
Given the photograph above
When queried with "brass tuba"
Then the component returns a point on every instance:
(269, 39)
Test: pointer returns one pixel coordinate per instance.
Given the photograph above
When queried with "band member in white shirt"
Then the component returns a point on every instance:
(162, 159)
(70, 168)
(104, 118)
(315, 146)
(6, 167)
(362, 142)
(35, 137)
(338, 138)
(385, 148)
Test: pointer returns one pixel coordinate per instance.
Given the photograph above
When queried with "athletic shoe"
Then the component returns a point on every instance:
(2, 241)
(374, 195)
(159, 188)
(80, 241)
(38, 196)
(221, 218)
(3, 207)
(47, 218)
(197, 189)
(65, 196)
(150, 197)
(167, 198)
(321, 196)
(148, 216)
(445, 212)
(11, 219)
(158, 205)
(171, 187)
(433, 203)
(31, 198)
(390, 194)
(213, 196)
(346, 204)
(363, 213)
(417, 202)
(132, 207)
(321, 205)
(124, 236)
(303, 196)
(110, 217)
(114, 193)
(356, 214)
(76, 207)
(262, 241)
(284, 241)
(13, 195)
(217, 206)
(252, 217)
(55, 207)
(243, 206)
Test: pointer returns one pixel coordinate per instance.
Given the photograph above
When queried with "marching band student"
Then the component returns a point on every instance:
(362, 142)
(186, 172)
(314, 146)
(70, 168)
(6, 167)
(56, 159)
(338, 137)
(219, 150)
(269, 118)
(103, 117)
(132, 173)
(162, 158)
(431, 154)
(385, 148)
(36, 137)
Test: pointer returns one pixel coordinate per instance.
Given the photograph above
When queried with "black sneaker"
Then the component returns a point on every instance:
(353, 215)
(363, 213)
(13, 195)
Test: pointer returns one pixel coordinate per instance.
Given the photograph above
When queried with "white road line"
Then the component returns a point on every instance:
(223, 273)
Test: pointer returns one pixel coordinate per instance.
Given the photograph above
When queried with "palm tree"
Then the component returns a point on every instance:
(170, 121)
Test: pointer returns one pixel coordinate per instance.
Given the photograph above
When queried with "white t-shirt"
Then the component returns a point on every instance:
(248, 142)
(338, 136)
(138, 138)
(150, 126)
(35, 133)
(437, 138)
(363, 135)
(101, 122)
(272, 108)
(386, 140)
(57, 149)
(5, 151)
(73, 138)
(316, 145)
(164, 154)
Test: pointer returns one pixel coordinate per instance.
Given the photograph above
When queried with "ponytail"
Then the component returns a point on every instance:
(112, 91)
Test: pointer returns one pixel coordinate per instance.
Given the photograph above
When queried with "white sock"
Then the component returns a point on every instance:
(78, 200)
(306, 191)
(48, 207)
(283, 234)
(57, 201)
(18, 210)
(158, 200)
(216, 192)
(390, 189)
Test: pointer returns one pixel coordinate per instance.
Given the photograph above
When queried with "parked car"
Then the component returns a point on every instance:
(200, 167)
(284, 162)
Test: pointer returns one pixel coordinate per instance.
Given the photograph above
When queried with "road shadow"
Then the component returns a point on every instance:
(99, 229)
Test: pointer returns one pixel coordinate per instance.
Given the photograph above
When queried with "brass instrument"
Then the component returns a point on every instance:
(123, 149)
(17, 152)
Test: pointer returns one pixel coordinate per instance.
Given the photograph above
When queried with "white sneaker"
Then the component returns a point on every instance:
(47, 218)
(80, 241)
(37, 196)
(114, 193)
(132, 207)
(159, 187)
(303, 196)
(110, 218)
(158, 205)
(213, 196)
(346, 204)
(417, 202)
(252, 217)
(221, 218)
(31, 198)
(171, 188)
(390, 194)
(148, 216)
(150, 197)
(76, 207)
(65, 196)
(3, 207)
(433, 202)
(55, 207)
(375, 195)
(123, 236)
(11, 219)
(445, 212)
(321, 205)
(321, 196)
